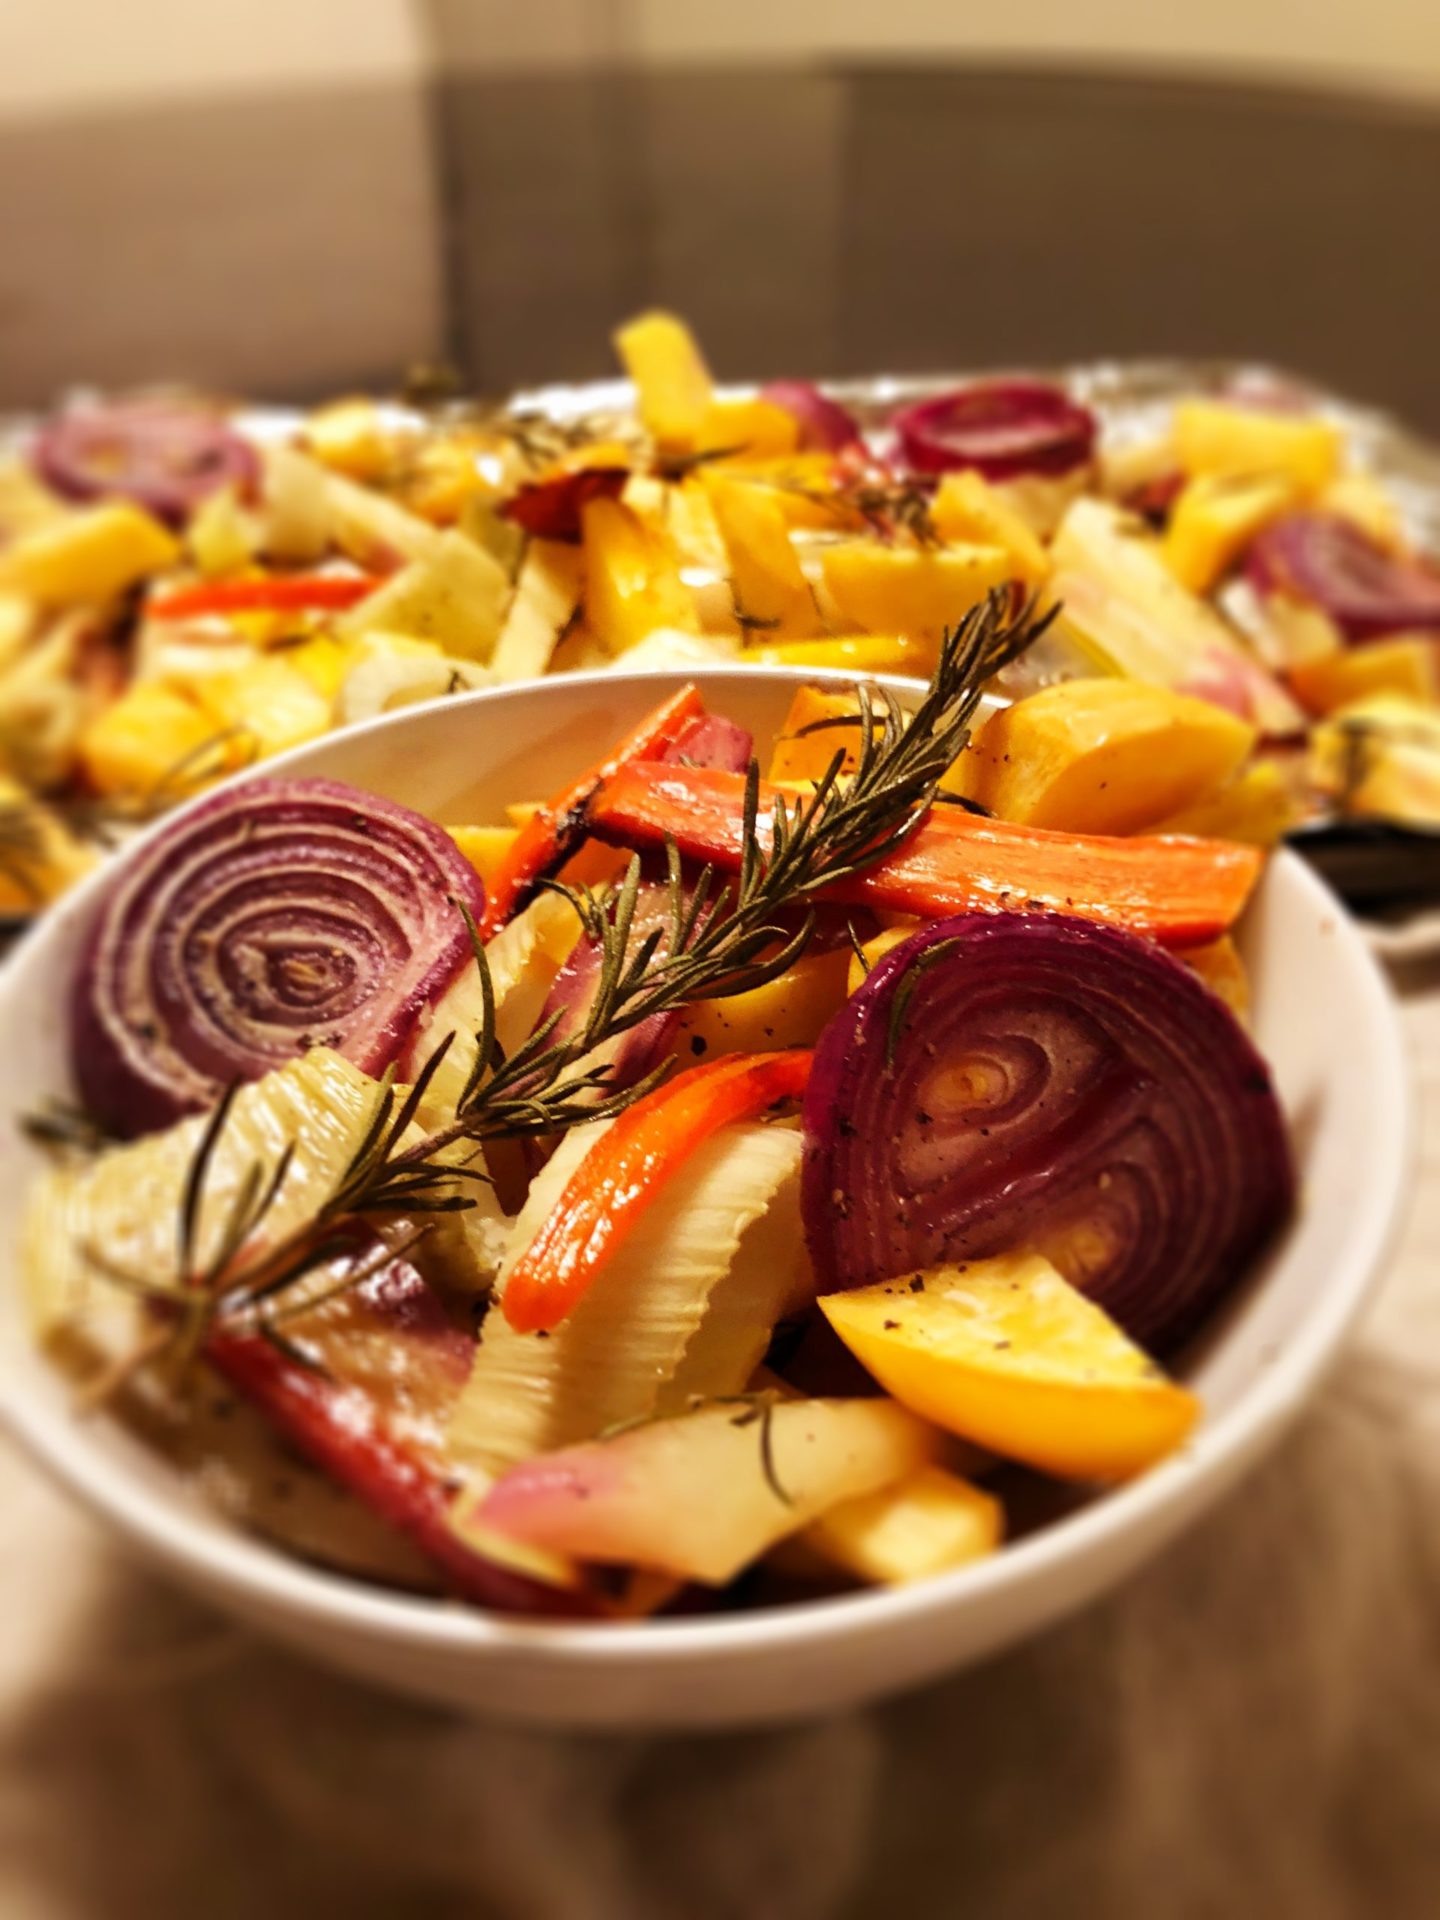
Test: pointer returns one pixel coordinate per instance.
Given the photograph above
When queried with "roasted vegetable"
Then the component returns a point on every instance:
(1006, 1354)
(1101, 756)
(703, 1494)
(1031, 1081)
(276, 916)
(619, 1178)
(1177, 891)
(1002, 428)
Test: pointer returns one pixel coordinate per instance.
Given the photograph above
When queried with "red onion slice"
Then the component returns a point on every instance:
(825, 426)
(551, 509)
(1334, 565)
(161, 454)
(1034, 1080)
(1002, 428)
(278, 915)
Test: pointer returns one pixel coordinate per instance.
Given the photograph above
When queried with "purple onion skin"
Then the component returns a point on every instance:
(825, 426)
(1334, 565)
(1004, 429)
(1053, 1085)
(277, 915)
(711, 740)
(165, 456)
(575, 985)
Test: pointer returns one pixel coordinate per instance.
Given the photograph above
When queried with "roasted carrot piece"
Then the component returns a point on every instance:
(556, 828)
(629, 1163)
(1179, 891)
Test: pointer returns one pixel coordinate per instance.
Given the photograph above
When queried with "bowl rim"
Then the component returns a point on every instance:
(274, 1583)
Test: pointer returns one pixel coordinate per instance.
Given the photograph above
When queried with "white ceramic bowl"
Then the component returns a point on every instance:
(1322, 1017)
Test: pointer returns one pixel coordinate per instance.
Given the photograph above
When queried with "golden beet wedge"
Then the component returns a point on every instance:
(1101, 756)
(1007, 1354)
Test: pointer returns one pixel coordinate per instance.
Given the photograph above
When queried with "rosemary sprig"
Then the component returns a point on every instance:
(725, 938)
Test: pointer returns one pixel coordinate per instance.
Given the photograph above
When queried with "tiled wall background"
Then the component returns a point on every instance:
(319, 198)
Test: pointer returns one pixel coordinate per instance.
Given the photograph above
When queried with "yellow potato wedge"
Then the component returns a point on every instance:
(672, 382)
(89, 555)
(1214, 520)
(1405, 664)
(1007, 1354)
(1217, 437)
(910, 589)
(920, 1527)
(632, 579)
(1101, 756)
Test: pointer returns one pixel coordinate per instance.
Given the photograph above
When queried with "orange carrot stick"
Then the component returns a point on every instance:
(550, 833)
(1179, 891)
(620, 1176)
(282, 593)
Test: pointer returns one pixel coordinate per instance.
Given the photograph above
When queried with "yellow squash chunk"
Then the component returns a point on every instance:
(757, 429)
(910, 589)
(863, 964)
(484, 847)
(788, 1012)
(632, 580)
(1214, 520)
(1007, 1354)
(91, 554)
(800, 755)
(272, 703)
(138, 742)
(1219, 965)
(19, 619)
(1257, 807)
(1405, 664)
(672, 383)
(1103, 756)
(771, 594)
(804, 486)
(348, 437)
(1214, 437)
(967, 508)
(324, 661)
(920, 1527)
(899, 653)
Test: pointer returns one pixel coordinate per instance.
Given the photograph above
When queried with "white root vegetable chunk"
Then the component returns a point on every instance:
(686, 1306)
(547, 594)
(524, 958)
(454, 594)
(702, 1495)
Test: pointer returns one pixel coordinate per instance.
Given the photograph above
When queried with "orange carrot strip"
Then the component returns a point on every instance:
(282, 593)
(1179, 891)
(552, 831)
(622, 1173)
